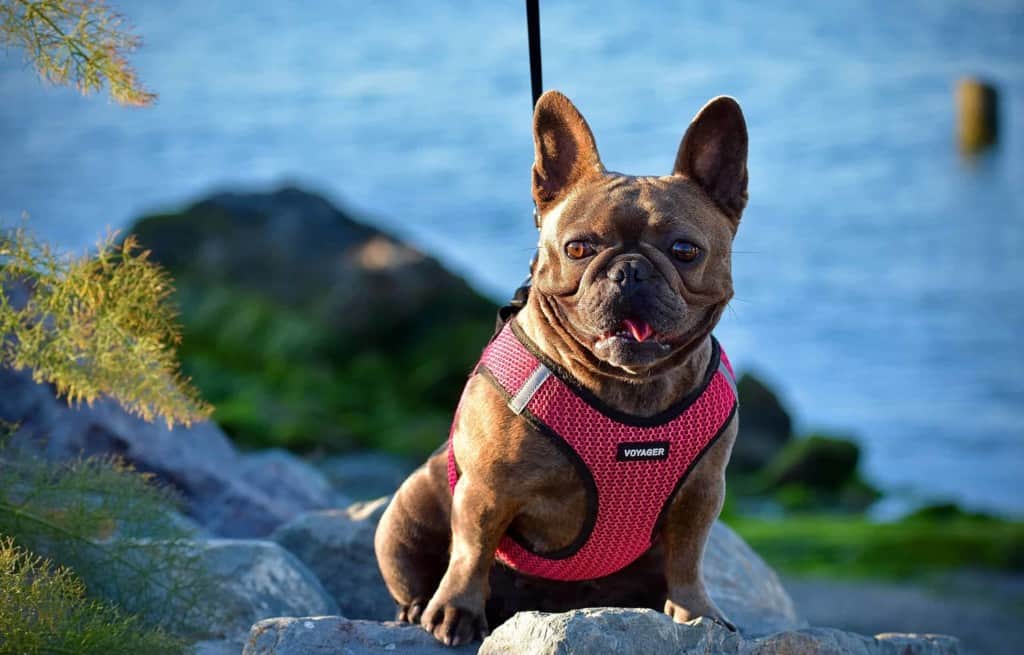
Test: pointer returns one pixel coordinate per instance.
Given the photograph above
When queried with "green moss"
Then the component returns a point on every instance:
(278, 378)
(852, 547)
(814, 473)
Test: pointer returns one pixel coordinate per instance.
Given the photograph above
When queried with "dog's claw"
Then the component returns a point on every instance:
(411, 612)
(680, 614)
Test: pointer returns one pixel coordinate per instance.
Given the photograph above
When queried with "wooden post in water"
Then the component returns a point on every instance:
(977, 115)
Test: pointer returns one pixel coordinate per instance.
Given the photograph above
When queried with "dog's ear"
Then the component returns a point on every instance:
(714, 154)
(564, 149)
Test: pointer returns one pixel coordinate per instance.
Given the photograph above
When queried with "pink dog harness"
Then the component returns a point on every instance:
(631, 466)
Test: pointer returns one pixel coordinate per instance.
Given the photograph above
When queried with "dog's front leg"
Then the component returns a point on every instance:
(691, 515)
(455, 615)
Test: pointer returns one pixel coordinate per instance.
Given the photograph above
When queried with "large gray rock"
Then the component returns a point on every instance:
(643, 631)
(223, 492)
(334, 635)
(251, 580)
(745, 588)
(606, 630)
(298, 249)
(338, 546)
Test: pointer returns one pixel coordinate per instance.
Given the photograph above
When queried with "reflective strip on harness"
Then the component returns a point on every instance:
(723, 368)
(519, 402)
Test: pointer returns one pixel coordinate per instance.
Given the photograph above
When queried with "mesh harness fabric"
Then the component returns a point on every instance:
(630, 466)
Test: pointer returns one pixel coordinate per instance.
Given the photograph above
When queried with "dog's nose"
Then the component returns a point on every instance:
(627, 271)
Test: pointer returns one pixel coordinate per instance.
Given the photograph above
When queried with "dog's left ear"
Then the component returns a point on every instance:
(714, 154)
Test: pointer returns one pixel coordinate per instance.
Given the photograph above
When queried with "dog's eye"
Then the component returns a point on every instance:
(685, 251)
(578, 249)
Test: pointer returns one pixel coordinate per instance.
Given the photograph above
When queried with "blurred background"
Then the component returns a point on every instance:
(878, 273)
(877, 270)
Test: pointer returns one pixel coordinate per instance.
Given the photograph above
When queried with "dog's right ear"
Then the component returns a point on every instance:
(564, 149)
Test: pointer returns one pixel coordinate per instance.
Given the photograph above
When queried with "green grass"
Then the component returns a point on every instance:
(853, 547)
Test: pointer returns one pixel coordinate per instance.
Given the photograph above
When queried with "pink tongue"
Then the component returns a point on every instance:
(641, 330)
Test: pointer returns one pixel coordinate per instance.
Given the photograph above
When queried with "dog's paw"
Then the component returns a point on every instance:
(453, 625)
(707, 610)
(411, 612)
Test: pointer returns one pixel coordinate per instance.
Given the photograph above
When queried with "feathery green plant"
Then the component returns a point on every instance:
(78, 42)
(44, 609)
(95, 325)
(115, 527)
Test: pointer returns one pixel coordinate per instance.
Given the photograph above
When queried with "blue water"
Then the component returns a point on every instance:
(879, 276)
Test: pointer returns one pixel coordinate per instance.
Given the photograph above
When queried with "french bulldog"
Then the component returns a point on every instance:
(631, 276)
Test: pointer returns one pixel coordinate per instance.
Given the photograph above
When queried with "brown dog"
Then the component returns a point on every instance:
(614, 251)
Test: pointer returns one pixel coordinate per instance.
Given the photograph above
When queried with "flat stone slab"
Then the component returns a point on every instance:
(594, 631)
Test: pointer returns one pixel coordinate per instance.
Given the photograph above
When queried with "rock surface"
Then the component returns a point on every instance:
(606, 630)
(225, 493)
(745, 588)
(334, 635)
(643, 631)
(594, 631)
(282, 475)
(337, 545)
(298, 249)
(251, 580)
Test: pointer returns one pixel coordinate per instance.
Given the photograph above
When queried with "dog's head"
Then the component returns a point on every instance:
(637, 269)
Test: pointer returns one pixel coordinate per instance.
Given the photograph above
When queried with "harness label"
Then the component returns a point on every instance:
(642, 450)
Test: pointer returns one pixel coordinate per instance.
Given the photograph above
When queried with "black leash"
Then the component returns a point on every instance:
(518, 300)
(533, 34)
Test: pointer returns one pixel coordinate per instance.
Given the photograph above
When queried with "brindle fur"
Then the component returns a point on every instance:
(436, 549)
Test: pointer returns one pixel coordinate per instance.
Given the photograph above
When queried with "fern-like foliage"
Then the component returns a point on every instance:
(95, 325)
(44, 610)
(79, 42)
(114, 527)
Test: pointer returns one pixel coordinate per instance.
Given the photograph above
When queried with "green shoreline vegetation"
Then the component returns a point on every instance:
(913, 548)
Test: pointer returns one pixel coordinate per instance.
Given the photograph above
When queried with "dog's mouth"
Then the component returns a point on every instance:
(632, 333)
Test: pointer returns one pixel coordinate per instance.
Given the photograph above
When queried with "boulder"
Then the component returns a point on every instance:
(223, 492)
(593, 631)
(337, 545)
(334, 635)
(606, 630)
(765, 425)
(744, 587)
(248, 581)
(365, 475)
